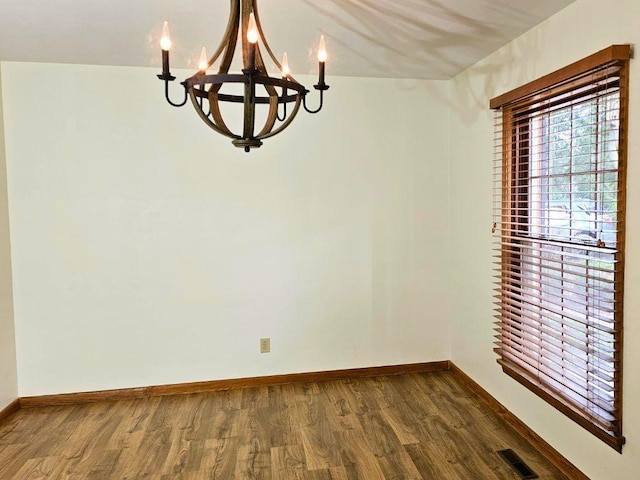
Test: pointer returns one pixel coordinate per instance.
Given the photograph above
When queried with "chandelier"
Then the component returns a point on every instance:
(273, 93)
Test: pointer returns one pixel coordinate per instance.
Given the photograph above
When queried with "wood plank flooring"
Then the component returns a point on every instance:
(417, 426)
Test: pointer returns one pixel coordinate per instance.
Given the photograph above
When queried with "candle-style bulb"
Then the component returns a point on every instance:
(252, 29)
(285, 65)
(165, 40)
(203, 64)
(322, 50)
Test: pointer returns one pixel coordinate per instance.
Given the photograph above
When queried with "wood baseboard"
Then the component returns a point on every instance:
(215, 385)
(9, 409)
(564, 465)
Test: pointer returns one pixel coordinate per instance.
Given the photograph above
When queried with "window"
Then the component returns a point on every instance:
(559, 205)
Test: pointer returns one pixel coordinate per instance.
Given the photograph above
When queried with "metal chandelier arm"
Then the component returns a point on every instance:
(321, 88)
(166, 92)
(166, 76)
(288, 121)
(284, 113)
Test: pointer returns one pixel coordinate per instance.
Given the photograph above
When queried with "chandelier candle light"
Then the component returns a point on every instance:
(205, 90)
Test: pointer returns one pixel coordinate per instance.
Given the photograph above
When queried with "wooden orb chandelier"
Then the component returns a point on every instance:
(204, 89)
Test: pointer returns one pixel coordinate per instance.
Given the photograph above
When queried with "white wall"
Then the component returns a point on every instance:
(149, 250)
(580, 30)
(8, 374)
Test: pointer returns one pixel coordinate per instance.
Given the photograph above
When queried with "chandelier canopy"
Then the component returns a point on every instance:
(276, 92)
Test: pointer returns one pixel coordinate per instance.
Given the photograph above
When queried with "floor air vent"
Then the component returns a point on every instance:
(517, 464)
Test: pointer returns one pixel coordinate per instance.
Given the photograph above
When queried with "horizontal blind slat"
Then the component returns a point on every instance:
(530, 335)
(577, 386)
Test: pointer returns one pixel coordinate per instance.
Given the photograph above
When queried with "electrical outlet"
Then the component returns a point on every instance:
(265, 345)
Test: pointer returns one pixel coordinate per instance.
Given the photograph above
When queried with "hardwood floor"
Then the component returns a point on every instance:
(417, 426)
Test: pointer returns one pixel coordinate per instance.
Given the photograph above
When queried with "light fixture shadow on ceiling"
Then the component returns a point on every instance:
(424, 39)
(418, 35)
(471, 94)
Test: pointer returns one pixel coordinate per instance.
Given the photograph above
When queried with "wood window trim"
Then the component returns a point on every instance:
(566, 80)
(604, 56)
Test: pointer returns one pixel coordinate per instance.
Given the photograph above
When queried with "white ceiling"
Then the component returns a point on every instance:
(430, 39)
